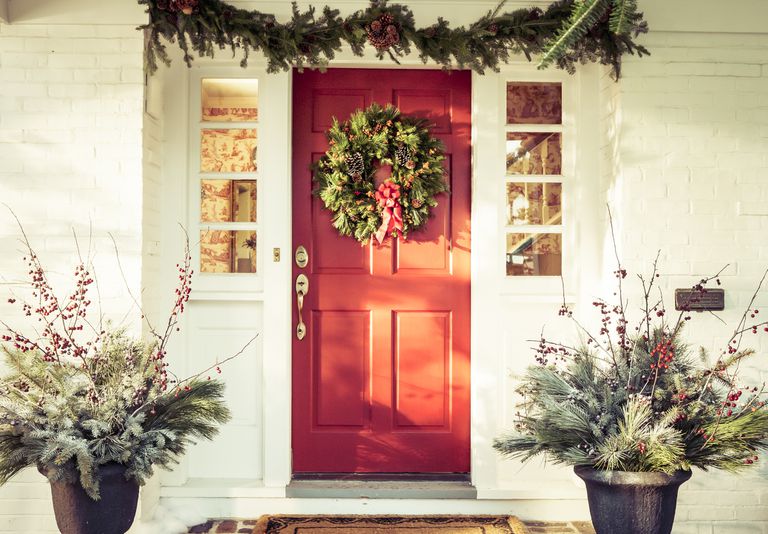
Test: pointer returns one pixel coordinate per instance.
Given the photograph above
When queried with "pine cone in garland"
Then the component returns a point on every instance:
(355, 164)
(402, 154)
(185, 6)
(383, 32)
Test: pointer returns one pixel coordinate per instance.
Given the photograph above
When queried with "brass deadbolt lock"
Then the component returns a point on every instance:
(302, 258)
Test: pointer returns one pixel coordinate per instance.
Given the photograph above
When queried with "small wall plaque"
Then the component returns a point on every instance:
(694, 300)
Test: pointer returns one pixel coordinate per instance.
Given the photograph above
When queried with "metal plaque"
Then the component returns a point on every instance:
(700, 300)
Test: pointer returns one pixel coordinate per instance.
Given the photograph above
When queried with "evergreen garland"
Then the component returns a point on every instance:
(345, 174)
(564, 34)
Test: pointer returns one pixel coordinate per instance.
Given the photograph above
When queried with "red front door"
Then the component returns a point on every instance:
(381, 380)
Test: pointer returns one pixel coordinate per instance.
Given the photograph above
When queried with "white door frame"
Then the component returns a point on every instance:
(490, 289)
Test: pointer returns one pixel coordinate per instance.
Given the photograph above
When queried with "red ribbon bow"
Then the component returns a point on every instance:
(387, 198)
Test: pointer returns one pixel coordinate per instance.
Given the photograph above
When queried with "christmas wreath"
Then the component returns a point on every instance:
(346, 174)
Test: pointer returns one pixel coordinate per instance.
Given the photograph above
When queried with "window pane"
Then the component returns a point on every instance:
(228, 150)
(534, 254)
(230, 100)
(228, 201)
(534, 103)
(227, 251)
(534, 203)
(534, 153)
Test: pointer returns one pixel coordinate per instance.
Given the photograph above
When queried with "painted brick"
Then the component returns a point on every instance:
(71, 31)
(22, 30)
(72, 90)
(22, 59)
(48, 173)
(10, 136)
(690, 69)
(49, 46)
(24, 89)
(51, 105)
(11, 44)
(737, 528)
(67, 61)
(700, 88)
(97, 76)
(732, 69)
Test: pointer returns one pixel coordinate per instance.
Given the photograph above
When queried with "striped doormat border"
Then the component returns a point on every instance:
(254, 526)
(331, 524)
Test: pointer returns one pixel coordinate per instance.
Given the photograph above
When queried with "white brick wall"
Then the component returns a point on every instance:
(684, 156)
(70, 157)
(686, 172)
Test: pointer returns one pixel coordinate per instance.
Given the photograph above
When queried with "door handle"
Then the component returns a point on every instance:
(302, 288)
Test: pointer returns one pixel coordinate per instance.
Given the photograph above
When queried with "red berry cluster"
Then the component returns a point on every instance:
(662, 355)
(546, 350)
(384, 32)
(731, 402)
(182, 292)
(57, 340)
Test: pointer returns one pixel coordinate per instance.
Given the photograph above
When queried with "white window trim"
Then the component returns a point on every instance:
(246, 284)
(541, 286)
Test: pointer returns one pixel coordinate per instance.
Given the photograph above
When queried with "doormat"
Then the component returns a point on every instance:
(389, 525)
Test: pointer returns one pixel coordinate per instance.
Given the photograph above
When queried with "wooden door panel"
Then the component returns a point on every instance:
(336, 102)
(328, 253)
(340, 361)
(431, 104)
(427, 251)
(421, 376)
(381, 382)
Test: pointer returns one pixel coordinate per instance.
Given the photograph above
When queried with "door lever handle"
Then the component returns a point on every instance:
(302, 288)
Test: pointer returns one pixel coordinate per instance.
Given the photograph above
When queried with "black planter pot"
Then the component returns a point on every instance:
(77, 513)
(631, 503)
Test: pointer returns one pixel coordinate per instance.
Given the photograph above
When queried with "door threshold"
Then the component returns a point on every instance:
(387, 477)
(381, 486)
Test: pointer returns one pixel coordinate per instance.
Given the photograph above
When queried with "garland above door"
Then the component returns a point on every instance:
(564, 34)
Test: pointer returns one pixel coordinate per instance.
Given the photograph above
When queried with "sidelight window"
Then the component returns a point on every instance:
(228, 172)
(534, 179)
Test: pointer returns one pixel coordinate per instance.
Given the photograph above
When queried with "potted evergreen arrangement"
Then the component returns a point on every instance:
(94, 409)
(633, 409)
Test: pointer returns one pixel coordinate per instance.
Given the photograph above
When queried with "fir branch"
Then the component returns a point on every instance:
(586, 14)
(622, 16)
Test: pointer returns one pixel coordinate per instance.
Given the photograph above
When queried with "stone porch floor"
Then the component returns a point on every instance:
(534, 527)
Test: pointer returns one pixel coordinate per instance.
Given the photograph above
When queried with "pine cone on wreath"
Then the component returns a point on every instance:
(355, 164)
(402, 154)
(383, 32)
